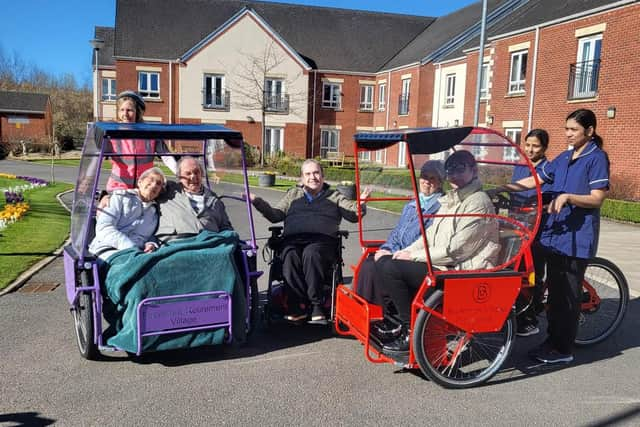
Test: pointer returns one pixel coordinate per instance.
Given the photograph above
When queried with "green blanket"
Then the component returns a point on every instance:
(206, 262)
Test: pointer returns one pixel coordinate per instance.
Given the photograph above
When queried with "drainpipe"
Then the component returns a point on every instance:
(170, 91)
(439, 76)
(313, 111)
(533, 78)
(483, 24)
(388, 95)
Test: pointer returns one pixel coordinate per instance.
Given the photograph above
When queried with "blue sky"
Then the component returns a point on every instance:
(54, 34)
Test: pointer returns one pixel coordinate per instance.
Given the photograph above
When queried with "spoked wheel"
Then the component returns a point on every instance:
(83, 320)
(605, 297)
(454, 358)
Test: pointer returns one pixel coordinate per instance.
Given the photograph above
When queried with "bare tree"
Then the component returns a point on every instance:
(256, 91)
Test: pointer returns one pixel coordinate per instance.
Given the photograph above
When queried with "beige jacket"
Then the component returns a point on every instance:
(461, 243)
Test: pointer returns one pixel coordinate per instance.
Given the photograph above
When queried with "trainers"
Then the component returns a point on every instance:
(545, 353)
(317, 316)
(527, 330)
(295, 317)
(399, 346)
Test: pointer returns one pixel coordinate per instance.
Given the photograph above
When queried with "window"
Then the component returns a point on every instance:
(380, 155)
(366, 98)
(109, 89)
(274, 97)
(213, 92)
(149, 84)
(273, 140)
(511, 154)
(587, 68)
(331, 95)
(364, 156)
(329, 141)
(403, 105)
(382, 97)
(518, 71)
(451, 89)
(484, 82)
(402, 154)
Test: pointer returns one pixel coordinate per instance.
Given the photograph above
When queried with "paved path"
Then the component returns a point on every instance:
(294, 376)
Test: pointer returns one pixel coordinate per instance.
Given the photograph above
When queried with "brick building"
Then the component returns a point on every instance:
(25, 117)
(315, 76)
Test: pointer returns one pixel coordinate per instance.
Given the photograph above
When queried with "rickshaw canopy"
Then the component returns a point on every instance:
(419, 141)
(165, 131)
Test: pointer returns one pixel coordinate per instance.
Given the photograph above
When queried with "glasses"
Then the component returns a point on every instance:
(456, 168)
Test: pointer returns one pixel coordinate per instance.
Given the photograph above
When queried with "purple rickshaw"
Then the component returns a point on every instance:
(209, 311)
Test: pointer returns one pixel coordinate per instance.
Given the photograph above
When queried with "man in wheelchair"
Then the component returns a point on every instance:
(311, 212)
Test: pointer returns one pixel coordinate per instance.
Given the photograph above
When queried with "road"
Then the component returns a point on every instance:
(294, 375)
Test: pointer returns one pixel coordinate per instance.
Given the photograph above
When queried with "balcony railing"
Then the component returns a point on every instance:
(217, 102)
(276, 103)
(403, 105)
(583, 79)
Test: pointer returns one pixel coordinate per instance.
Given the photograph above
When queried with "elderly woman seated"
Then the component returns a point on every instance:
(131, 217)
(455, 242)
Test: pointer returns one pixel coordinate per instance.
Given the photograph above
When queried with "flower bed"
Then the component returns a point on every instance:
(15, 206)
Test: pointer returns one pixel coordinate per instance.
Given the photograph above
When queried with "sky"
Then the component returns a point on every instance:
(54, 35)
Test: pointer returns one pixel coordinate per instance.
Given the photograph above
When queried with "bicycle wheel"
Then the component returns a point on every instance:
(83, 322)
(451, 357)
(604, 304)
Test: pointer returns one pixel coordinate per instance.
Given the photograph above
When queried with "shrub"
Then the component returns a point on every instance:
(621, 210)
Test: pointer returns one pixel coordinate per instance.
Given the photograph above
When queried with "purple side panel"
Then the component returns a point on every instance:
(69, 277)
(184, 314)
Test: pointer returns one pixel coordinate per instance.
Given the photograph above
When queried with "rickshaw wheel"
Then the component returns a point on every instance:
(605, 300)
(254, 311)
(451, 357)
(83, 321)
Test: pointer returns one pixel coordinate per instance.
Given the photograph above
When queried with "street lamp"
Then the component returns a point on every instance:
(97, 44)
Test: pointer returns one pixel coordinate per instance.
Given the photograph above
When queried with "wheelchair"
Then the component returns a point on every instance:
(278, 292)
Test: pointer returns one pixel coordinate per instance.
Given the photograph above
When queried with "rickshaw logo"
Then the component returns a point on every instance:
(481, 293)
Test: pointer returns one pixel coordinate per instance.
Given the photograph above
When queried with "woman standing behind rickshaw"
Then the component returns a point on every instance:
(579, 179)
(125, 168)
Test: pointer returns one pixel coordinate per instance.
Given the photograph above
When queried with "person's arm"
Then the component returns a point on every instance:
(349, 208)
(169, 161)
(273, 214)
(394, 240)
(106, 225)
(527, 183)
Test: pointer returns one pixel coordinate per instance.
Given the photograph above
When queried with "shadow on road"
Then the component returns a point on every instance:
(32, 419)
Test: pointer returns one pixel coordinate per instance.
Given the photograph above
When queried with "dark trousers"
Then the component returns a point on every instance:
(564, 278)
(400, 280)
(305, 264)
(366, 286)
(529, 316)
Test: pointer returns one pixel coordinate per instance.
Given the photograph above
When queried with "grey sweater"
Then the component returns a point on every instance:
(320, 216)
(178, 218)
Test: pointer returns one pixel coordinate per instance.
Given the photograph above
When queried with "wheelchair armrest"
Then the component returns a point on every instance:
(276, 230)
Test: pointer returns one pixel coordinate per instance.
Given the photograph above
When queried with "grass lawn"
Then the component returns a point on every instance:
(41, 231)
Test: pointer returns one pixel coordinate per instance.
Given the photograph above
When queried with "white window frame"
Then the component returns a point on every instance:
(381, 155)
(589, 50)
(402, 154)
(329, 141)
(511, 154)
(147, 78)
(450, 97)
(484, 81)
(214, 90)
(518, 71)
(405, 93)
(364, 156)
(111, 92)
(274, 88)
(382, 96)
(273, 133)
(366, 98)
(332, 95)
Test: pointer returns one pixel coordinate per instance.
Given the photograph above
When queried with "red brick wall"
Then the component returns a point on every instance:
(128, 80)
(38, 128)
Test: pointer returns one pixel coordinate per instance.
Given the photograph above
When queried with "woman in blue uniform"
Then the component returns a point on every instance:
(535, 147)
(579, 179)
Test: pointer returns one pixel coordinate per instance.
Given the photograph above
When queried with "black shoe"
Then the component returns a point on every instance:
(399, 346)
(386, 328)
(317, 316)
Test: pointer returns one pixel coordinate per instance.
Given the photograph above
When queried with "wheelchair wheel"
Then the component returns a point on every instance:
(254, 310)
(83, 322)
(604, 304)
(451, 358)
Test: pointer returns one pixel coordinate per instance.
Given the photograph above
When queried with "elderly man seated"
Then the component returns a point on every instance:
(188, 207)
(311, 212)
